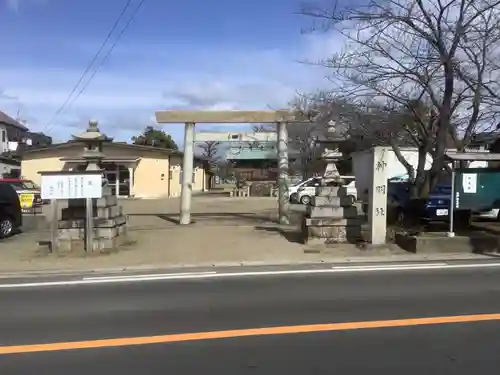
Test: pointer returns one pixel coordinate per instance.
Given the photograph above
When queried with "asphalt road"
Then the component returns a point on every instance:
(130, 310)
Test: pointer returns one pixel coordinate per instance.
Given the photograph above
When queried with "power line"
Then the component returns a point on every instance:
(106, 57)
(89, 66)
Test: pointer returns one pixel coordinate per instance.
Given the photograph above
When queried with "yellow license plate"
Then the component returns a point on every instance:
(26, 200)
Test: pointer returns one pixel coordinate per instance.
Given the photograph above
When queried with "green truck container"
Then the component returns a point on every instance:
(477, 189)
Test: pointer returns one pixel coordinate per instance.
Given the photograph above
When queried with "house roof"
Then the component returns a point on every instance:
(7, 120)
(62, 146)
(472, 156)
(9, 161)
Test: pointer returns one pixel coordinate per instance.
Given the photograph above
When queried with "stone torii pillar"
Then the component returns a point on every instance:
(187, 174)
(283, 196)
(190, 118)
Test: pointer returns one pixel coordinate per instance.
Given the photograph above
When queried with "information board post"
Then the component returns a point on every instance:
(54, 227)
(71, 185)
(451, 232)
(89, 225)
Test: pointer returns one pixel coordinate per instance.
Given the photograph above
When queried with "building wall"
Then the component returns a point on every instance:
(151, 178)
(157, 174)
(199, 183)
(14, 134)
(30, 168)
(10, 136)
(4, 140)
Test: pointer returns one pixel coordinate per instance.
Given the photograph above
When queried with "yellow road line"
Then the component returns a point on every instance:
(285, 330)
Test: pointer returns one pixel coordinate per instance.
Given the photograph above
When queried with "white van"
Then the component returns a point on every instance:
(308, 188)
(294, 189)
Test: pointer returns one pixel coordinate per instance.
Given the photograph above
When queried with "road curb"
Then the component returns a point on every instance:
(234, 265)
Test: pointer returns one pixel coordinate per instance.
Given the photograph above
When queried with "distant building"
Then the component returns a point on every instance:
(15, 135)
(11, 132)
(131, 170)
(256, 161)
(38, 140)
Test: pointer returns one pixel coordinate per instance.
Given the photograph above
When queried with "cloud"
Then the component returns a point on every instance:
(5, 96)
(15, 5)
(141, 79)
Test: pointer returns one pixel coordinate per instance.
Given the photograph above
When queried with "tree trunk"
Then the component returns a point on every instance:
(443, 126)
(420, 187)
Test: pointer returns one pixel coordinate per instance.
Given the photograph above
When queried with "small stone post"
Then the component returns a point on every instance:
(377, 197)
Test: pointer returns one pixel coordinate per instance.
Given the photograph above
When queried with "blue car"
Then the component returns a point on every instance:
(438, 205)
(436, 208)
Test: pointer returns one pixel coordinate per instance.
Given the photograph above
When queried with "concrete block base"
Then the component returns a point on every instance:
(326, 222)
(332, 191)
(98, 222)
(332, 231)
(109, 227)
(99, 245)
(333, 212)
(332, 201)
(432, 243)
(79, 233)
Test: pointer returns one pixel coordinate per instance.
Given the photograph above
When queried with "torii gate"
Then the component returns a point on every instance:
(190, 118)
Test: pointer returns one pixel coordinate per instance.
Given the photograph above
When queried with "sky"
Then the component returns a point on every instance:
(184, 54)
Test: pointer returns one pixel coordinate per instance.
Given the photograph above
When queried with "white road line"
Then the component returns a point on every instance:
(153, 275)
(215, 275)
(384, 267)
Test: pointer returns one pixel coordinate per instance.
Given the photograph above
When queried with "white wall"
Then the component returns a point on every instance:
(362, 163)
(4, 139)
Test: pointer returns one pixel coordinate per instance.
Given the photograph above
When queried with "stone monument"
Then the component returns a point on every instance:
(109, 223)
(331, 156)
(332, 216)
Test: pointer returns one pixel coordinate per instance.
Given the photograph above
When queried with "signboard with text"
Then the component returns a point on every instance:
(71, 186)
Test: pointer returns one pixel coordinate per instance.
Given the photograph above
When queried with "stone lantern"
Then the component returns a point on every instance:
(333, 216)
(93, 140)
(331, 153)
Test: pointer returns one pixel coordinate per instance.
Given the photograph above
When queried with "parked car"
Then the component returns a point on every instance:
(293, 189)
(308, 190)
(29, 193)
(436, 208)
(11, 216)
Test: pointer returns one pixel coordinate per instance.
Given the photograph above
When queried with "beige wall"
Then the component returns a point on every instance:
(151, 178)
(30, 168)
(175, 177)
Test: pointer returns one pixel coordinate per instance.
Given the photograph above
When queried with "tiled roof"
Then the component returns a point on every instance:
(7, 120)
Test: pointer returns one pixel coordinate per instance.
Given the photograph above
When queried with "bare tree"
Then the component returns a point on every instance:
(358, 126)
(302, 137)
(434, 61)
(209, 150)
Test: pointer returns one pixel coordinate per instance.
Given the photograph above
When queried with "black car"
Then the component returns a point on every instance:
(11, 216)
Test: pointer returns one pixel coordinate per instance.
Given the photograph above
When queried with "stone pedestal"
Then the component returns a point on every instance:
(333, 216)
(109, 225)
